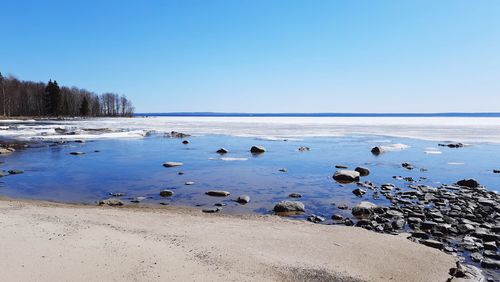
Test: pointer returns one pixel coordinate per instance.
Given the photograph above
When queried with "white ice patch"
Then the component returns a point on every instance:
(455, 163)
(465, 130)
(432, 152)
(394, 147)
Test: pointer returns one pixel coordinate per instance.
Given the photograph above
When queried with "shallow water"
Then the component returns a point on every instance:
(134, 167)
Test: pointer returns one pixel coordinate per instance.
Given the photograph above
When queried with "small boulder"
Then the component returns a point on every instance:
(341, 166)
(432, 243)
(111, 202)
(470, 183)
(77, 153)
(315, 218)
(257, 150)
(172, 164)
(295, 195)
(363, 209)
(189, 183)
(222, 151)
(243, 199)
(304, 149)
(217, 193)
(496, 171)
(283, 170)
(289, 206)
(185, 142)
(408, 166)
(346, 176)
(363, 171)
(377, 150)
(337, 217)
(166, 193)
(15, 171)
(359, 192)
(211, 210)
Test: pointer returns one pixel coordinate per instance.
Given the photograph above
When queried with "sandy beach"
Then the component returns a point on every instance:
(42, 241)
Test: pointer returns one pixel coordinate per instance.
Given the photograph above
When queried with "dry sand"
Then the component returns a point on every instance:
(42, 241)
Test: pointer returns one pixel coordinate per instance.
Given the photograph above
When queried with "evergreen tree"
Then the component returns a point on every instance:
(85, 107)
(2, 88)
(53, 98)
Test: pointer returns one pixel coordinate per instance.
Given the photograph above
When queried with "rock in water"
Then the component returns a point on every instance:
(377, 150)
(257, 149)
(289, 206)
(342, 166)
(363, 171)
(470, 183)
(359, 192)
(243, 199)
(6, 151)
(432, 243)
(304, 149)
(283, 170)
(172, 164)
(346, 176)
(111, 202)
(77, 153)
(217, 193)
(166, 193)
(211, 210)
(189, 183)
(337, 217)
(15, 171)
(295, 195)
(496, 171)
(315, 218)
(363, 209)
(222, 151)
(407, 166)
(185, 142)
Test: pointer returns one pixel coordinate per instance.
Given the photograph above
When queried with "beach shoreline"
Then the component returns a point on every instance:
(46, 241)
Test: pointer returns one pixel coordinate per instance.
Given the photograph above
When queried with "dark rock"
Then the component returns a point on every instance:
(492, 246)
(15, 171)
(222, 151)
(420, 234)
(283, 170)
(377, 150)
(243, 199)
(363, 209)
(117, 194)
(77, 153)
(257, 150)
(211, 210)
(166, 193)
(304, 149)
(111, 202)
(337, 217)
(398, 224)
(175, 134)
(342, 166)
(490, 263)
(432, 243)
(359, 192)
(408, 166)
(342, 207)
(476, 257)
(295, 195)
(363, 171)
(452, 145)
(217, 193)
(348, 222)
(315, 218)
(172, 164)
(496, 171)
(470, 183)
(289, 206)
(185, 142)
(346, 176)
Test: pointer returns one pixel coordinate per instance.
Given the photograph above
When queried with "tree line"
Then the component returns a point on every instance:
(28, 98)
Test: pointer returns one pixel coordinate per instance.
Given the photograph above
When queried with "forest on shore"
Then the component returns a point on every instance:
(29, 98)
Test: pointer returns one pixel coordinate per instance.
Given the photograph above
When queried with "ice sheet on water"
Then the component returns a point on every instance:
(469, 130)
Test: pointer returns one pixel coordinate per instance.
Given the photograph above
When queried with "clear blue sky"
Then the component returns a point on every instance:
(263, 55)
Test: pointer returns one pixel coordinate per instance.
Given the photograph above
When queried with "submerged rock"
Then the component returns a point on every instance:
(15, 171)
(175, 134)
(283, 170)
(346, 176)
(217, 193)
(111, 202)
(295, 195)
(166, 193)
(304, 149)
(172, 164)
(77, 153)
(257, 149)
(363, 171)
(289, 206)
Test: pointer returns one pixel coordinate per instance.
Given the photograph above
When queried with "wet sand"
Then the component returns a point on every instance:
(42, 241)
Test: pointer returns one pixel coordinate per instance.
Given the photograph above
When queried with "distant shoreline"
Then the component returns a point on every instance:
(216, 114)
